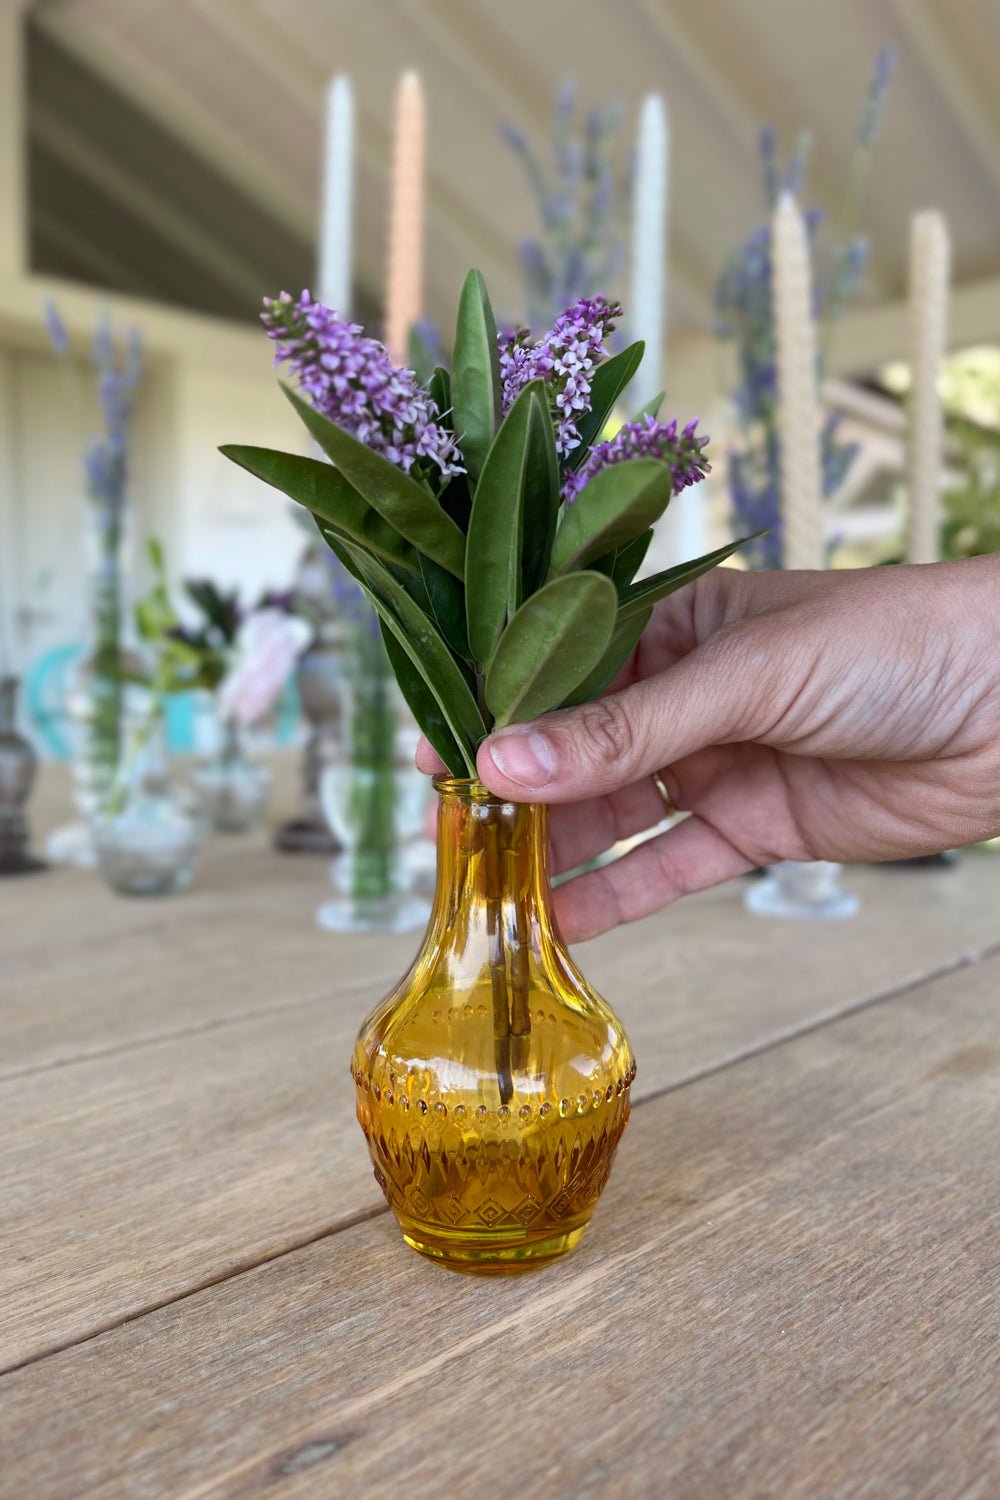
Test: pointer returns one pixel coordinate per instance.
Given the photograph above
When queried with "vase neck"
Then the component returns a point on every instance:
(490, 852)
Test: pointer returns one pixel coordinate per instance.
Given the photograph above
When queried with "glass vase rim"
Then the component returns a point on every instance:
(470, 789)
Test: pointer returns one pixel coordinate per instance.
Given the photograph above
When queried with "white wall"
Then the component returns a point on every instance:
(206, 383)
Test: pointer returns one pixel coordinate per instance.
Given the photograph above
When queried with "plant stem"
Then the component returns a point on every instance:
(520, 1009)
(492, 890)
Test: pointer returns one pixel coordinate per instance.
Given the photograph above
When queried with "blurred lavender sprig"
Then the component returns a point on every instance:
(119, 373)
(744, 318)
(581, 207)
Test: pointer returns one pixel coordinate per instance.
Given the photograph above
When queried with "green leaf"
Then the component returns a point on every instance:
(542, 500)
(623, 643)
(552, 644)
(423, 704)
(520, 478)
(659, 585)
(651, 408)
(629, 559)
(475, 374)
(324, 491)
(610, 380)
(623, 563)
(439, 388)
(400, 500)
(423, 645)
(611, 510)
(447, 602)
(456, 500)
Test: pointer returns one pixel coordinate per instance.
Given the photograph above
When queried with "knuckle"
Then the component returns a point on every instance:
(609, 735)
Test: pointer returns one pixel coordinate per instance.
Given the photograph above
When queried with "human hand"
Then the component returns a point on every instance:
(849, 715)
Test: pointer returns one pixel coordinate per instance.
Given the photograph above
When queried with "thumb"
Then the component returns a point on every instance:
(715, 695)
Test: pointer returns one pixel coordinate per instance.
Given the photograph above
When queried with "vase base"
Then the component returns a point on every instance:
(22, 864)
(396, 913)
(491, 1256)
(300, 836)
(768, 902)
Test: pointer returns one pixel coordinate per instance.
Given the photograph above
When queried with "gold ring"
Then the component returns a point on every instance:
(668, 802)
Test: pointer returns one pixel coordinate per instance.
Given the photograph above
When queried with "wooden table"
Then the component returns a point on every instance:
(789, 1289)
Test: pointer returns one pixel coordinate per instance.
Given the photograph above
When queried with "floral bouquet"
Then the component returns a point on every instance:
(494, 525)
(498, 531)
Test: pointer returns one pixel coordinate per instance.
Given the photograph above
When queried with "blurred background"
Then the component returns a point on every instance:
(164, 164)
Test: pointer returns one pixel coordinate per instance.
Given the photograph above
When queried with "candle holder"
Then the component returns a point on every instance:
(796, 888)
(18, 763)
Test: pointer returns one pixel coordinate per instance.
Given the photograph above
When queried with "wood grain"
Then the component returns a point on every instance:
(163, 1163)
(789, 1290)
(83, 972)
(211, 1126)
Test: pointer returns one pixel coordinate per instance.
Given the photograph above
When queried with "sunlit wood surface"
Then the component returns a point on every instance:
(789, 1287)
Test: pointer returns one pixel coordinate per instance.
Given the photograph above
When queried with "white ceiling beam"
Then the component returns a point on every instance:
(977, 116)
(145, 202)
(132, 71)
(93, 260)
(13, 196)
(869, 337)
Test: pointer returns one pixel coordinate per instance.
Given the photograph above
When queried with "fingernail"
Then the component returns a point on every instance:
(524, 756)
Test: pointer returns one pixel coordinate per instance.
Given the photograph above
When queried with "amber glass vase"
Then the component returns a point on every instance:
(492, 1083)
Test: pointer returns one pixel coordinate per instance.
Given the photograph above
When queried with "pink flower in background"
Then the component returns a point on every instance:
(267, 645)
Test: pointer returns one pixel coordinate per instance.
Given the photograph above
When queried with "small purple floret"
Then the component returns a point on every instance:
(351, 379)
(646, 438)
(565, 358)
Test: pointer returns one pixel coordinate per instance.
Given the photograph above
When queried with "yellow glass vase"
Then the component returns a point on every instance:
(493, 1082)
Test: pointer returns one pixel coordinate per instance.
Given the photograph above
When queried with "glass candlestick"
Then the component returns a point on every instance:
(18, 763)
(319, 678)
(794, 888)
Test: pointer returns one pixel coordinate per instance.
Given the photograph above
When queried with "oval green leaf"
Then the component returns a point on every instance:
(325, 492)
(475, 374)
(517, 496)
(659, 585)
(623, 643)
(400, 500)
(612, 509)
(555, 640)
(423, 704)
(425, 648)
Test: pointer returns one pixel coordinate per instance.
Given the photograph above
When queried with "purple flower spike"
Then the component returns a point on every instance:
(646, 438)
(351, 379)
(565, 359)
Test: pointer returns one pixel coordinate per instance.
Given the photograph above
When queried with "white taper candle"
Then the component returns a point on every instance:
(798, 398)
(333, 278)
(406, 216)
(930, 261)
(647, 303)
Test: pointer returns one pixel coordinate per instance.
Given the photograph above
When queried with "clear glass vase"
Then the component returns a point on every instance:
(106, 704)
(146, 841)
(493, 1082)
(231, 788)
(794, 888)
(370, 799)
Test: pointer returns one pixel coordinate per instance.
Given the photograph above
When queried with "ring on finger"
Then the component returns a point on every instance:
(670, 806)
